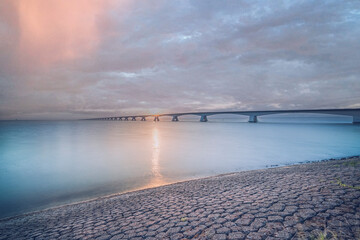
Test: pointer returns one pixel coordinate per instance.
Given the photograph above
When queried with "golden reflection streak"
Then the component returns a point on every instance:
(157, 178)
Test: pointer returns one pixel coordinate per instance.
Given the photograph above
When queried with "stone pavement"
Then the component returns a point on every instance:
(293, 202)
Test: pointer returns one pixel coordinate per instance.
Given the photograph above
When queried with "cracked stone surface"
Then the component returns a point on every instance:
(292, 202)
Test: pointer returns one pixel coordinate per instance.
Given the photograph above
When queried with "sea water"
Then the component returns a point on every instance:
(49, 163)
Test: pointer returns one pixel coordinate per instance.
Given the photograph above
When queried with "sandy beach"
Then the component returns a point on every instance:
(293, 202)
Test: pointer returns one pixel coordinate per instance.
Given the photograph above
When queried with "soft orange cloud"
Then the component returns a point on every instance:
(57, 30)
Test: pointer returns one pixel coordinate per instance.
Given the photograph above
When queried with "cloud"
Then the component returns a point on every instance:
(45, 33)
(93, 58)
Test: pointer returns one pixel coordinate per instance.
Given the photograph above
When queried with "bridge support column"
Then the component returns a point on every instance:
(203, 118)
(133, 118)
(120, 118)
(143, 119)
(126, 118)
(253, 119)
(156, 119)
(175, 119)
(356, 120)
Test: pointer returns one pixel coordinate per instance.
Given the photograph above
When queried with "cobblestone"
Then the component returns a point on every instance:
(292, 202)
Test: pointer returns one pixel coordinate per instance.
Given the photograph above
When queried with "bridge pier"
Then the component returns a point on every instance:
(175, 119)
(143, 119)
(253, 119)
(156, 119)
(126, 118)
(133, 118)
(120, 118)
(203, 118)
(356, 120)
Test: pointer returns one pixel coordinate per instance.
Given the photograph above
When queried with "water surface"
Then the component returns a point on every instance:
(48, 163)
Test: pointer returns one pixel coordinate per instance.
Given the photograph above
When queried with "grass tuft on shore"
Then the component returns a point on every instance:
(338, 182)
(324, 235)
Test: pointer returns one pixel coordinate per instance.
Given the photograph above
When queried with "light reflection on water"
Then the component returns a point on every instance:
(47, 163)
(157, 179)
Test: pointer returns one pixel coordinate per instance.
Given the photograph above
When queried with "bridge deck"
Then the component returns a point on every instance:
(353, 112)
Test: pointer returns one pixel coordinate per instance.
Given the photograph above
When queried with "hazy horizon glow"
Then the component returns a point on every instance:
(89, 58)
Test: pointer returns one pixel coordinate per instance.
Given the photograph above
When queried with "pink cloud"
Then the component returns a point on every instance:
(53, 31)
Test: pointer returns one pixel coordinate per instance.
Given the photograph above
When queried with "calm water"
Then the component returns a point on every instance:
(47, 163)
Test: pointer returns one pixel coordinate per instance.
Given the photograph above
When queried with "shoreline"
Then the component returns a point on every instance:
(191, 179)
(211, 197)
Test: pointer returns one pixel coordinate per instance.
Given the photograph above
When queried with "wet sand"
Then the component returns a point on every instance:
(292, 202)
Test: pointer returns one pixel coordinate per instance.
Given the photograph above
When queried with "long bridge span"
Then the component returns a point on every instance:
(253, 115)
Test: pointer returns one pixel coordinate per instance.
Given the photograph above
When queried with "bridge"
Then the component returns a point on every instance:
(253, 115)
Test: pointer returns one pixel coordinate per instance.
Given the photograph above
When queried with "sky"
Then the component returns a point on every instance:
(86, 58)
